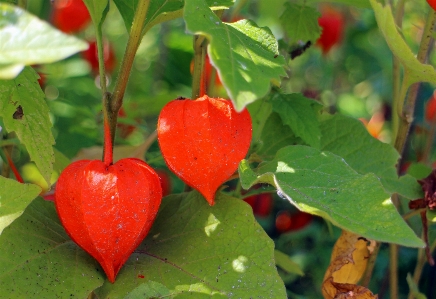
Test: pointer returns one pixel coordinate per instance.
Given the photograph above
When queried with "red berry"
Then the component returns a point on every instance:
(108, 210)
(430, 109)
(203, 141)
(70, 16)
(260, 203)
(332, 25)
(287, 222)
(124, 129)
(91, 56)
(432, 3)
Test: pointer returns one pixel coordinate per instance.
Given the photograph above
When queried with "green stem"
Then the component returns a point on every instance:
(100, 52)
(406, 118)
(9, 142)
(421, 260)
(136, 33)
(132, 46)
(393, 270)
(397, 73)
(198, 82)
(236, 9)
(405, 114)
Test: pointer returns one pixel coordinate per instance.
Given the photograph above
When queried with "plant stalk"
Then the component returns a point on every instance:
(101, 65)
(136, 33)
(198, 76)
(397, 73)
(405, 114)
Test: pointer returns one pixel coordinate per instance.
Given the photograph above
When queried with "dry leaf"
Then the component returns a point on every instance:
(347, 265)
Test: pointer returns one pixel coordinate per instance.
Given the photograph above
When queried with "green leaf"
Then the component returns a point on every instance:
(97, 9)
(300, 22)
(33, 128)
(149, 290)
(245, 56)
(300, 114)
(14, 198)
(259, 112)
(419, 170)
(417, 71)
(26, 40)
(321, 183)
(276, 135)
(347, 137)
(284, 262)
(39, 260)
(192, 249)
(161, 10)
(202, 251)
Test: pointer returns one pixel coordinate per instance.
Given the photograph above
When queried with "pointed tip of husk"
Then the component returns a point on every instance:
(210, 197)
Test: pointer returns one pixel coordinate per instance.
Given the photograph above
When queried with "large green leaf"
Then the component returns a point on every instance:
(245, 56)
(300, 22)
(39, 260)
(192, 250)
(97, 9)
(300, 114)
(161, 10)
(14, 198)
(347, 137)
(32, 126)
(322, 183)
(417, 71)
(199, 251)
(26, 40)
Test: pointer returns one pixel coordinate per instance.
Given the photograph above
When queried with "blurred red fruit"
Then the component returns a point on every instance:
(286, 222)
(261, 204)
(41, 80)
(165, 182)
(124, 129)
(430, 109)
(332, 24)
(91, 56)
(70, 16)
(432, 3)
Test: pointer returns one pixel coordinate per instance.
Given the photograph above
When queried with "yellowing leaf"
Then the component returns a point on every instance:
(348, 263)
